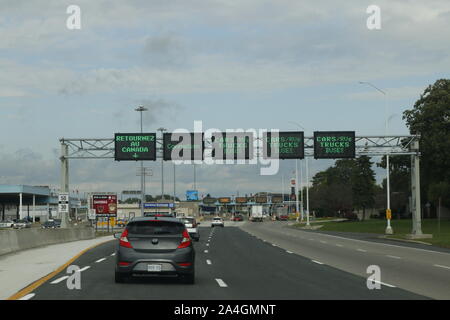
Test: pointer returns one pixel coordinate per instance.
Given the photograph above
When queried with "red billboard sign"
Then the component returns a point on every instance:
(105, 205)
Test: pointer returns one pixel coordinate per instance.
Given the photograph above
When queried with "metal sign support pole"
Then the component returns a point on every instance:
(64, 177)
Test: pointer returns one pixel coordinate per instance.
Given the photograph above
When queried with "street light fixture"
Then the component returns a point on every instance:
(141, 109)
(389, 229)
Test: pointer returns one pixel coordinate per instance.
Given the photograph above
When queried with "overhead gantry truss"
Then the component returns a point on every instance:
(103, 148)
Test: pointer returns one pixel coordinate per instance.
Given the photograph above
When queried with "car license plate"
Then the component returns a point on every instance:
(154, 268)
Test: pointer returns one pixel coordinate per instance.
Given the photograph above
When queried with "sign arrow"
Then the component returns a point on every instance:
(135, 155)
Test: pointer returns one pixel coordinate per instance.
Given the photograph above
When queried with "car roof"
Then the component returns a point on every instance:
(167, 219)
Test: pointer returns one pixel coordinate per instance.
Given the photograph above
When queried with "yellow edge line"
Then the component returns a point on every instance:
(41, 281)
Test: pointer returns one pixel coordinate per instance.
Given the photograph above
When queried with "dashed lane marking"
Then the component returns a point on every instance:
(28, 296)
(221, 283)
(440, 266)
(59, 280)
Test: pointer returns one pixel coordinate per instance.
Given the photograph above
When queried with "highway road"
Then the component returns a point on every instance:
(420, 269)
(231, 264)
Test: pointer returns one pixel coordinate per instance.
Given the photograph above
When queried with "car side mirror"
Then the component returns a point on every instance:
(117, 235)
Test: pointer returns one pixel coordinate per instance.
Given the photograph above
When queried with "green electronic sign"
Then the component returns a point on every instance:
(135, 146)
(183, 146)
(290, 145)
(334, 144)
(234, 146)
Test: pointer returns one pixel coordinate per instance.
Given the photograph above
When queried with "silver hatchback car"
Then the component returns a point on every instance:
(155, 247)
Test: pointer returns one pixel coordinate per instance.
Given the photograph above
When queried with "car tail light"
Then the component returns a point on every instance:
(185, 264)
(124, 264)
(186, 241)
(123, 241)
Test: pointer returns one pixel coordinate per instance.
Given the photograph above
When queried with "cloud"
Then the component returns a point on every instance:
(164, 51)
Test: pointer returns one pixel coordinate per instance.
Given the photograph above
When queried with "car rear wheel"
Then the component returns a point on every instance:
(189, 278)
(119, 278)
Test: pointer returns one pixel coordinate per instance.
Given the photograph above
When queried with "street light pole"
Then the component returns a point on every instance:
(307, 182)
(141, 109)
(297, 205)
(389, 229)
(307, 192)
(162, 130)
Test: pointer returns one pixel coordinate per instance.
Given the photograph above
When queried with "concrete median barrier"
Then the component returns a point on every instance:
(16, 240)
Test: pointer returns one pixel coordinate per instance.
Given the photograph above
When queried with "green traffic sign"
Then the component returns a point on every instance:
(135, 146)
(334, 144)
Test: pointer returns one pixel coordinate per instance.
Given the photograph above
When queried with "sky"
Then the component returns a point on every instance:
(228, 63)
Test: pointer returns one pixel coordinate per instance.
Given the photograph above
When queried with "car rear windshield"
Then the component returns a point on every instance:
(155, 228)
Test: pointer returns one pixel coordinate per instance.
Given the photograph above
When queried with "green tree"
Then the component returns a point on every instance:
(363, 184)
(430, 117)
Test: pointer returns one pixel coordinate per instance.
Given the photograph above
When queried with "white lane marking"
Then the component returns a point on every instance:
(84, 269)
(207, 244)
(382, 244)
(318, 262)
(362, 250)
(113, 254)
(59, 280)
(221, 283)
(323, 241)
(206, 251)
(290, 252)
(28, 296)
(273, 244)
(384, 284)
(311, 239)
(440, 266)
(208, 262)
(339, 245)
(393, 257)
(100, 260)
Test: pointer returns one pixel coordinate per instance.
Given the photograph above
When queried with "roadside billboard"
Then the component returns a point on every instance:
(192, 195)
(105, 205)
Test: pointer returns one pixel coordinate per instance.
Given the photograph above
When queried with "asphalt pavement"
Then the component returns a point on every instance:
(424, 271)
(231, 264)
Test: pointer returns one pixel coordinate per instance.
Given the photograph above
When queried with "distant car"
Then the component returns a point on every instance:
(6, 224)
(20, 224)
(50, 225)
(217, 222)
(283, 217)
(192, 227)
(155, 247)
(238, 218)
(159, 214)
